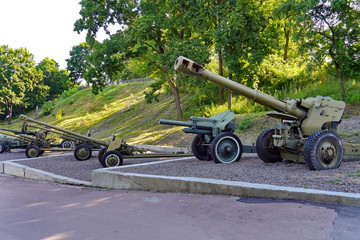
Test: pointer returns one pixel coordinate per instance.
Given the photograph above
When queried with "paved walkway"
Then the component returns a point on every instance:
(38, 210)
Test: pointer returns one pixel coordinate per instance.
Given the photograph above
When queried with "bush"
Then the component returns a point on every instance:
(47, 108)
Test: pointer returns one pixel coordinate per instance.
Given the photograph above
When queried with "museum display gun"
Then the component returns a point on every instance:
(206, 130)
(110, 152)
(306, 132)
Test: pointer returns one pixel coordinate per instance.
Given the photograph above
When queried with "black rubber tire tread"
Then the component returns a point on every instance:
(79, 158)
(117, 153)
(312, 146)
(197, 150)
(2, 147)
(266, 154)
(65, 141)
(101, 154)
(220, 137)
(30, 147)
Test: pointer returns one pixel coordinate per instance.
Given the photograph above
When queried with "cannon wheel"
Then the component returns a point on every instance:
(2, 147)
(200, 151)
(82, 152)
(112, 158)
(323, 150)
(226, 148)
(101, 154)
(265, 149)
(66, 144)
(32, 151)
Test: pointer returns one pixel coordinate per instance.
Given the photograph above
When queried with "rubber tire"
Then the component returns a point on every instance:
(66, 144)
(216, 144)
(313, 147)
(2, 147)
(266, 154)
(101, 154)
(78, 156)
(200, 152)
(30, 154)
(115, 155)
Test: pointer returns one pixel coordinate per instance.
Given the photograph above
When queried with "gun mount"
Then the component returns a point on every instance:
(206, 130)
(307, 128)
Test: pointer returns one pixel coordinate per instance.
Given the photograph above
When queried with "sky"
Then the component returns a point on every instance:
(43, 27)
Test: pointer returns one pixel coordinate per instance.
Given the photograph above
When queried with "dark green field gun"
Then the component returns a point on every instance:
(9, 140)
(306, 132)
(110, 151)
(207, 131)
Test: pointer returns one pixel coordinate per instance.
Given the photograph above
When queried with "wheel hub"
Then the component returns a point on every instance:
(112, 160)
(328, 152)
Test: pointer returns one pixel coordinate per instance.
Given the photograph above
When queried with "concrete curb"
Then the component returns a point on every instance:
(16, 169)
(132, 181)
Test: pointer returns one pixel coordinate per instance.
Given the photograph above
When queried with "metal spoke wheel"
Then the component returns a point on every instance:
(82, 152)
(101, 153)
(323, 150)
(66, 144)
(198, 149)
(265, 148)
(32, 151)
(112, 158)
(226, 148)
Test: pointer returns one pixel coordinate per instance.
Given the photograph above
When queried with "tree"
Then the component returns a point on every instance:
(331, 31)
(155, 32)
(78, 61)
(56, 79)
(17, 75)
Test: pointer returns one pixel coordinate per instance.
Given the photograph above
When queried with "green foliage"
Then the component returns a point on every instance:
(59, 114)
(245, 123)
(17, 75)
(78, 61)
(47, 108)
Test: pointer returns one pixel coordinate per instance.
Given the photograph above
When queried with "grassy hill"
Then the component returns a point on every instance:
(123, 111)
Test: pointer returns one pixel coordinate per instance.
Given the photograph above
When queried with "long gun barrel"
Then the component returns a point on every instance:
(98, 141)
(17, 131)
(191, 68)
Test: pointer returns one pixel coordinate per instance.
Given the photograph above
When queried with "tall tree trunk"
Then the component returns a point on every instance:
(337, 67)
(230, 94)
(221, 73)
(287, 39)
(175, 90)
(8, 104)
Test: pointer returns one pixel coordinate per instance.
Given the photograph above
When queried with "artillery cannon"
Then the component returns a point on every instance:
(306, 132)
(208, 131)
(110, 151)
(30, 140)
(10, 141)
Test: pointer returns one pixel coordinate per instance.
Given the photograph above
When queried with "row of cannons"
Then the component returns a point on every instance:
(306, 132)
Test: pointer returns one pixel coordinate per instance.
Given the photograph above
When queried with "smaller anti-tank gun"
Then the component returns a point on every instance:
(306, 132)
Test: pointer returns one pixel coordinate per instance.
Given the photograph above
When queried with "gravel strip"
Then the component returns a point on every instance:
(251, 169)
(68, 166)
(20, 154)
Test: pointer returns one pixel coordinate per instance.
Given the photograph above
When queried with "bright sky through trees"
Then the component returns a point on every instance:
(44, 27)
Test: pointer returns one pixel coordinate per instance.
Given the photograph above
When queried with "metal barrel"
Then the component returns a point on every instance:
(77, 135)
(11, 130)
(189, 67)
(175, 123)
(19, 136)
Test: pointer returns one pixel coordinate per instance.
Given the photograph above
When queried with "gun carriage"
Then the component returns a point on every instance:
(306, 132)
(110, 152)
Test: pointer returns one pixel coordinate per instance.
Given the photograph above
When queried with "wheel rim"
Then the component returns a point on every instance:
(67, 144)
(328, 154)
(83, 153)
(33, 152)
(112, 160)
(227, 149)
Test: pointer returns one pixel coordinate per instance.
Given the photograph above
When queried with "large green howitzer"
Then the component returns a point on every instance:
(207, 131)
(9, 140)
(306, 132)
(110, 151)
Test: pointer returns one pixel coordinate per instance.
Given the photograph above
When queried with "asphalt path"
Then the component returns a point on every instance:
(39, 210)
